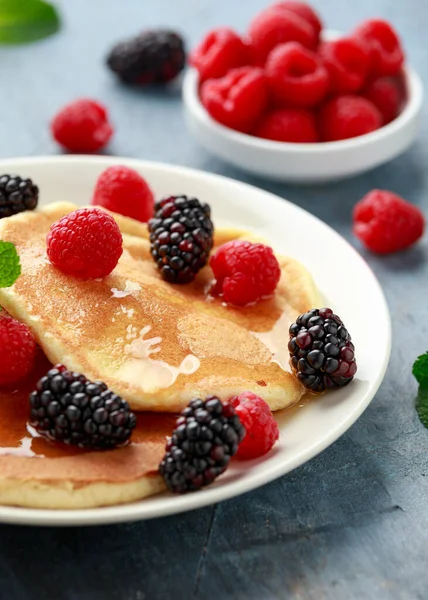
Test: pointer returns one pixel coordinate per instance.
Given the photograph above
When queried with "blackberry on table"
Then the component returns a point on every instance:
(69, 408)
(155, 56)
(181, 237)
(321, 351)
(16, 195)
(206, 436)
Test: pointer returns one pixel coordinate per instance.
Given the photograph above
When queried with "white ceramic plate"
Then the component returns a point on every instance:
(343, 277)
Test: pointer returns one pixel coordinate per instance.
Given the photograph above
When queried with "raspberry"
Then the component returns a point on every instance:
(261, 428)
(245, 272)
(296, 75)
(82, 126)
(301, 9)
(124, 191)
(17, 350)
(347, 62)
(383, 43)
(273, 27)
(386, 95)
(220, 51)
(238, 99)
(288, 125)
(86, 243)
(347, 117)
(384, 222)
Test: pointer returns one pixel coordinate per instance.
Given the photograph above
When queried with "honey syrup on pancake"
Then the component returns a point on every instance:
(19, 438)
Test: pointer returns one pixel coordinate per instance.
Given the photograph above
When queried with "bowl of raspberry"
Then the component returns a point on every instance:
(290, 101)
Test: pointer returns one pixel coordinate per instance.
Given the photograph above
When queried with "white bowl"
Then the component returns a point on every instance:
(304, 163)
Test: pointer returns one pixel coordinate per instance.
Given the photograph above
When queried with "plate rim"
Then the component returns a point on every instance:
(123, 513)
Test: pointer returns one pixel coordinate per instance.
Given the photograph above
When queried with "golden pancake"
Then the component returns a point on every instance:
(155, 344)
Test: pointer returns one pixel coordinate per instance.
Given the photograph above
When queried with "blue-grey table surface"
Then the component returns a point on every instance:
(353, 522)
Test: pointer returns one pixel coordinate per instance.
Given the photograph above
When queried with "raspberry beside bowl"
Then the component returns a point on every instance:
(305, 163)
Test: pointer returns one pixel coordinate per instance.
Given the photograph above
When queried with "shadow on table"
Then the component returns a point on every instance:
(210, 553)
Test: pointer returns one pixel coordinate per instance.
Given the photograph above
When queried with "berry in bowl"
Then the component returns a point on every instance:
(291, 102)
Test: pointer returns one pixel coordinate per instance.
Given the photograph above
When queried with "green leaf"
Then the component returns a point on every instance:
(420, 370)
(10, 267)
(26, 20)
(422, 406)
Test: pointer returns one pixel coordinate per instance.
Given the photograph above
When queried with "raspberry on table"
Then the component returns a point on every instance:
(86, 243)
(123, 190)
(153, 56)
(288, 125)
(244, 272)
(220, 51)
(301, 9)
(273, 27)
(206, 436)
(82, 126)
(17, 194)
(384, 222)
(384, 46)
(17, 350)
(238, 99)
(321, 350)
(67, 407)
(346, 117)
(296, 76)
(347, 62)
(386, 95)
(261, 428)
(181, 237)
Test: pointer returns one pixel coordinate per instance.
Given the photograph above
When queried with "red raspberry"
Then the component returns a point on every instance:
(347, 117)
(384, 222)
(17, 350)
(82, 126)
(238, 99)
(386, 95)
(273, 27)
(221, 50)
(296, 75)
(261, 428)
(288, 125)
(383, 43)
(124, 191)
(301, 9)
(245, 272)
(86, 243)
(347, 62)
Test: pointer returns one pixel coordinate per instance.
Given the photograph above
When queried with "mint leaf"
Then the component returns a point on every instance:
(26, 20)
(10, 268)
(422, 406)
(420, 370)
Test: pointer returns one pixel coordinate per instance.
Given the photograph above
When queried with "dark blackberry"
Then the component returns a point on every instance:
(151, 57)
(321, 351)
(17, 195)
(181, 237)
(206, 436)
(68, 408)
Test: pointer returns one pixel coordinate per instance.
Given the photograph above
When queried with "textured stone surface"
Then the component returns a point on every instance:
(350, 524)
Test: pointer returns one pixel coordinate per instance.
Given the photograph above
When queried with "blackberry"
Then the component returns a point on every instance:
(68, 408)
(181, 237)
(321, 350)
(206, 436)
(151, 57)
(17, 195)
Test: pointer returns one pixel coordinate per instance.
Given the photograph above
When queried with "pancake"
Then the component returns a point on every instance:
(39, 473)
(155, 344)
